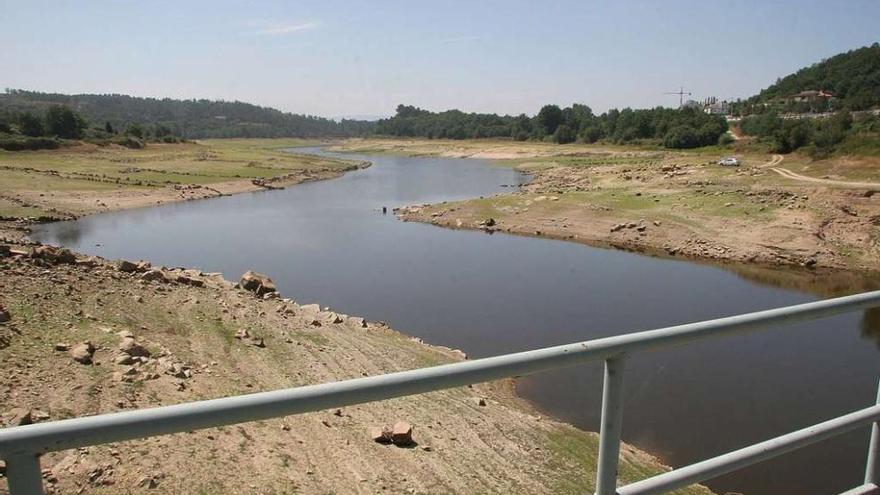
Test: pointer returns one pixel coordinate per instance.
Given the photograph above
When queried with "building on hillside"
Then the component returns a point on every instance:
(713, 106)
(811, 96)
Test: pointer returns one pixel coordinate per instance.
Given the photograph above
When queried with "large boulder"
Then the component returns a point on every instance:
(154, 275)
(257, 283)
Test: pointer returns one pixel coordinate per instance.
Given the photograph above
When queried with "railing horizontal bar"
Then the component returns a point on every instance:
(716, 466)
(866, 489)
(114, 427)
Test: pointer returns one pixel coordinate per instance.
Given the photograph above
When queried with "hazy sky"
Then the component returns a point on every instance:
(337, 58)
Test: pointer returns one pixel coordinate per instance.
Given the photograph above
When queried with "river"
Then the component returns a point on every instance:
(329, 242)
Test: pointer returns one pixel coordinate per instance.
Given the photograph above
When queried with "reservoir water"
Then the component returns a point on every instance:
(328, 242)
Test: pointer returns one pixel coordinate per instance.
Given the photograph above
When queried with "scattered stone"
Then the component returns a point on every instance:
(355, 321)
(124, 359)
(154, 275)
(126, 266)
(401, 434)
(242, 333)
(257, 283)
(381, 435)
(60, 347)
(82, 353)
(258, 342)
(148, 482)
(132, 348)
(481, 402)
(5, 251)
(53, 254)
(617, 226)
(187, 280)
(4, 314)
(19, 416)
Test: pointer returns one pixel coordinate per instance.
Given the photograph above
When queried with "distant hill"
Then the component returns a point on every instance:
(187, 118)
(853, 78)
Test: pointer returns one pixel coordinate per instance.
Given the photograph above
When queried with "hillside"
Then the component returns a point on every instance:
(187, 118)
(852, 77)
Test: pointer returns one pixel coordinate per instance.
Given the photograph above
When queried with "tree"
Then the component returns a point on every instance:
(31, 125)
(63, 122)
(549, 118)
(683, 136)
(564, 134)
(135, 130)
(109, 128)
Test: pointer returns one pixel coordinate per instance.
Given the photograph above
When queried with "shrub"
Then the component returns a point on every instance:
(28, 143)
(683, 136)
(564, 134)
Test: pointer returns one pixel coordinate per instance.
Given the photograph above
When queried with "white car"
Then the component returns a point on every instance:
(729, 162)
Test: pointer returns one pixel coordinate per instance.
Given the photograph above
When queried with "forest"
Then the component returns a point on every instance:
(673, 128)
(190, 119)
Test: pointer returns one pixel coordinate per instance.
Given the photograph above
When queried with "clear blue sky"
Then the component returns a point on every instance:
(337, 58)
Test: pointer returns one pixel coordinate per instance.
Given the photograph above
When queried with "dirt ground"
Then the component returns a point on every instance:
(195, 336)
(771, 210)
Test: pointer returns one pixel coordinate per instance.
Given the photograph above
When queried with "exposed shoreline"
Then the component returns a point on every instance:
(33, 270)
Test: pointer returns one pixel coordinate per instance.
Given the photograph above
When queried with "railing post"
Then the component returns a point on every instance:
(609, 433)
(24, 475)
(872, 470)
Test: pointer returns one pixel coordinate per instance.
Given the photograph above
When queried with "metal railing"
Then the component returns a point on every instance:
(22, 446)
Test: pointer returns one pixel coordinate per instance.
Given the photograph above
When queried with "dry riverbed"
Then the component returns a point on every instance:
(82, 335)
(772, 210)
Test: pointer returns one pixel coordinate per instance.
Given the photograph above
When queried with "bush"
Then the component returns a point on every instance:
(725, 139)
(129, 142)
(683, 136)
(28, 143)
(564, 134)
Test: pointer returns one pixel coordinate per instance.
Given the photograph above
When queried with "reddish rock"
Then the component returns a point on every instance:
(381, 435)
(132, 348)
(401, 434)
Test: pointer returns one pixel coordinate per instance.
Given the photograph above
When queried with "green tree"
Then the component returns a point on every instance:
(549, 118)
(564, 134)
(31, 125)
(135, 130)
(683, 136)
(108, 128)
(63, 122)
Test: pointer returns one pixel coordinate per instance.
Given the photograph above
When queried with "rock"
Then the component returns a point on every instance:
(490, 222)
(18, 416)
(481, 402)
(53, 254)
(381, 435)
(258, 342)
(132, 348)
(242, 333)
(187, 280)
(125, 334)
(310, 309)
(82, 353)
(330, 317)
(617, 226)
(37, 416)
(143, 266)
(154, 275)
(5, 251)
(126, 266)
(641, 228)
(124, 359)
(89, 261)
(657, 223)
(4, 314)
(257, 283)
(401, 434)
(60, 347)
(147, 482)
(355, 321)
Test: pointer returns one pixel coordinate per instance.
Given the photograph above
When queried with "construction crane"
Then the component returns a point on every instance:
(681, 94)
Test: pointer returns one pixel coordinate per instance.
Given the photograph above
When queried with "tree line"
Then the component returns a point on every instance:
(673, 128)
(191, 119)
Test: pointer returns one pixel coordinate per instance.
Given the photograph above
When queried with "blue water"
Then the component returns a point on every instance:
(328, 242)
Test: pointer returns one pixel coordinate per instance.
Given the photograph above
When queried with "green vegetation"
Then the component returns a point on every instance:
(853, 78)
(819, 137)
(684, 128)
(192, 119)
